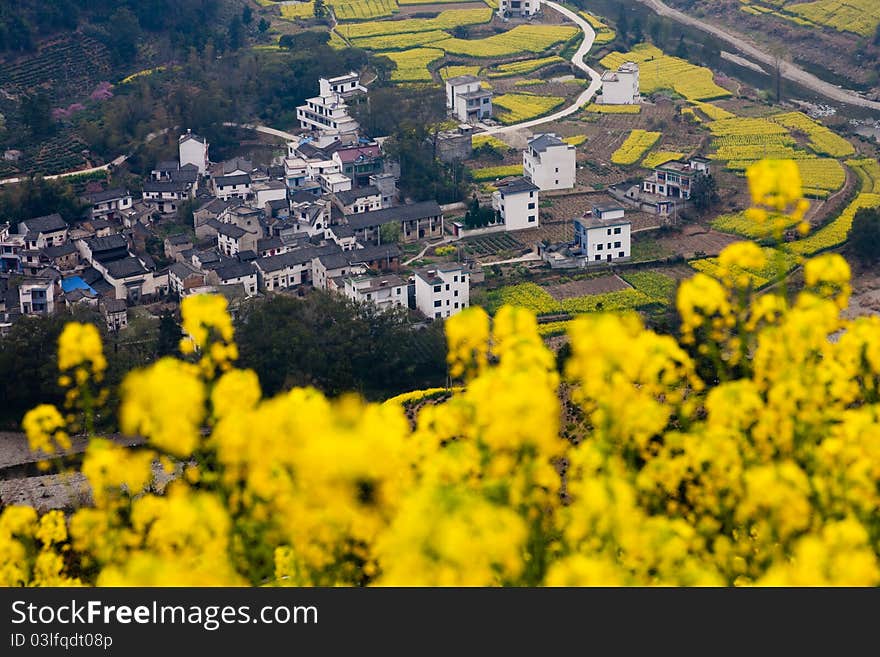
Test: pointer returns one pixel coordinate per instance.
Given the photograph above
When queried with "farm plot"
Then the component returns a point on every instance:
(604, 34)
(494, 173)
(660, 71)
(835, 232)
(444, 20)
(403, 41)
(579, 288)
(361, 10)
(738, 223)
(858, 16)
(298, 10)
(522, 38)
(636, 145)
(489, 140)
(519, 107)
(868, 171)
(523, 67)
(493, 243)
(778, 264)
(656, 158)
(447, 72)
(822, 140)
(612, 109)
(821, 176)
(412, 65)
(539, 300)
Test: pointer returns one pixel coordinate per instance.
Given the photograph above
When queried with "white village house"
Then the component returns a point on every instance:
(516, 204)
(467, 100)
(385, 292)
(604, 236)
(549, 162)
(327, 112)
(442, 291)
(621, 87)
(518, 8)
(193, 149)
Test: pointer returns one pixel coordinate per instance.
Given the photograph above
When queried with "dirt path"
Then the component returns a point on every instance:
(789, 71)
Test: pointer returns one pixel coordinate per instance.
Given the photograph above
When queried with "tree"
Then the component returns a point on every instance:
(320, 9)
(247, 15)
(864, 236)
(622, 24)
(656, 32)
(35, 113)
(235, 33)
(169, 336)
(681, 50)
(704, 193)
(122, 36)
(637, 34)
(389, 233)
(263, 26)
(478, 216)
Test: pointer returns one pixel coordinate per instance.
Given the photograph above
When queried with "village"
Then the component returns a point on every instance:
(327, 216)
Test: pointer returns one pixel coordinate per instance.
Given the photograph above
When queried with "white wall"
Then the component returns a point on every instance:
(517, 208)
(552, 169)
(454, 289)
(602, 244)
(192, 151)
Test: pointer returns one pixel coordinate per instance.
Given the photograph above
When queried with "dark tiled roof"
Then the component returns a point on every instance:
(350, 196)
(284, 260)
(183, 269)
(115, 306)
(370, 253)
(399, 213)
(175, 186)
(107, 195)
(267, 243)
(48, 224)
(167, 165)
(125, 267)
(58, 251)
(110, 243)
(544, 141)
(178, 240)
(229, 230)
(234, 270)
(518, 186)
(240, 179)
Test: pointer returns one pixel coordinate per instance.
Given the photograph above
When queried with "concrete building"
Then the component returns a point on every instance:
(621, 87)
(605, 235)
(355, 201)
(234, 186)
(384, 292)
(518, 8)
(359, 162)
(38, 294)
(676, 179)
(466, 100)
(193, 150)
(386, 183)
(549, 162)
(269, 190)
(327, 112)
(347, 85)
(41, 232)
(109, 204)
(442, 291)
(452, 145)
(516, 204)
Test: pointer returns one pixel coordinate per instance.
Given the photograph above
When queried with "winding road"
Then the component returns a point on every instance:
(578, 60)
(789, 71)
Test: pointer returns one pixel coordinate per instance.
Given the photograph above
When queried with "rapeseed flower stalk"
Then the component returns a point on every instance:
(744, 452)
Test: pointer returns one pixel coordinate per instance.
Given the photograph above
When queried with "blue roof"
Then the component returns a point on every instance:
(76, 283)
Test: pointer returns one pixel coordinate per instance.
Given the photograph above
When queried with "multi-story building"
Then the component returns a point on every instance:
(193, 150)
(516, 204)
(115, 313)
(621, 87)
(604, 236)
(518, 8)
(109, 204)
(442, 291)
(38, 294)
(167, 196)
(235, 186)
(549, 162)
(386, 291)
(417, 221)
(676, 179)
(41, 232)
(327, 112)
(359, 162)
(355, 201)
(347, 85)
(467, 100)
